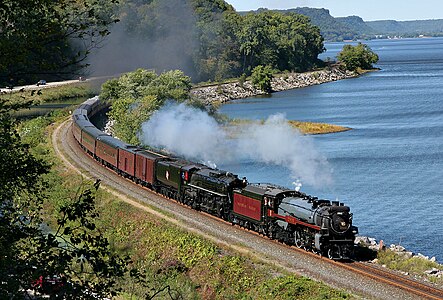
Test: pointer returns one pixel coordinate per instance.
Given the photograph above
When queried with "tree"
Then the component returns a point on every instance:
(261, 78)
(359, 56)
(136, 95)
(74, 251)
(213, 42)
(282, 41)
(49, 38)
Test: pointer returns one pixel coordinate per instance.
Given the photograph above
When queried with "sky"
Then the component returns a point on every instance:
(369, 10)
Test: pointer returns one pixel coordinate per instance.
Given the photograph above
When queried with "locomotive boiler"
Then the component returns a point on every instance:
(334, 233)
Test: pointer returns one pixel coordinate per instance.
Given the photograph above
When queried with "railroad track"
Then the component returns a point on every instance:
(385, 277)
(392, 278)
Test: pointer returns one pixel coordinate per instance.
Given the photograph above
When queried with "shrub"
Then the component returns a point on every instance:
(262, 77)
(360, 56)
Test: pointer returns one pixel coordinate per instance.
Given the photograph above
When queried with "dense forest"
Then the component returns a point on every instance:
(50, 39)
(354, 27)
(208, 40)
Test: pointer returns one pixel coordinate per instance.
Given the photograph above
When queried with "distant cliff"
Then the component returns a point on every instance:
(354, 27)
(408, 28)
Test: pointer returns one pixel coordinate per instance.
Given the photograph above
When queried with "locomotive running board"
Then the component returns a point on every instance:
(203, 189)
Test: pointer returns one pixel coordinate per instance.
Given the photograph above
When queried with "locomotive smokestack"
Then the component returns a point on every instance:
(297, 185)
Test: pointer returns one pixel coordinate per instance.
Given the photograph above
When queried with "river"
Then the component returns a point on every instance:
(389, 168)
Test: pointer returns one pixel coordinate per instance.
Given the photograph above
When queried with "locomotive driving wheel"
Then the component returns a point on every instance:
(298, 239)
(334, 252)
(330, 253)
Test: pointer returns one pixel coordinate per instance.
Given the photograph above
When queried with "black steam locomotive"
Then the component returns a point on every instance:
(292, 217)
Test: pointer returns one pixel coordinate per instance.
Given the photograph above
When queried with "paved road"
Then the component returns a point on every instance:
(53, 84)
(35, 86)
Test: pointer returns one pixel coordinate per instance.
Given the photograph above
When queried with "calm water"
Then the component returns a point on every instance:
(46, 108)
(389, 168)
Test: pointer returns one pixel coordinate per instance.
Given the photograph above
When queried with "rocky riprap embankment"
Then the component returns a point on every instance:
(372, 244)
(230, 91)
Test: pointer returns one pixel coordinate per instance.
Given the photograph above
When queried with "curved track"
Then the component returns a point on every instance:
(364, 281)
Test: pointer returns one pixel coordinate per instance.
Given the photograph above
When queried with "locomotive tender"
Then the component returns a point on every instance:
(292, 217)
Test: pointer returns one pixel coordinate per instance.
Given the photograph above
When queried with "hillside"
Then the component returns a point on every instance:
(354, 27)
(331, 28)
(408, 28)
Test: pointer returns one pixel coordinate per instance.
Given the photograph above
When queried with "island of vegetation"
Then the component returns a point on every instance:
(303, 127)
(317, 128)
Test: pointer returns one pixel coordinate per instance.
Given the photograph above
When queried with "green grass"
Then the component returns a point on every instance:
(317, 128)
(53, 94)
(47, 100)
(413, 265)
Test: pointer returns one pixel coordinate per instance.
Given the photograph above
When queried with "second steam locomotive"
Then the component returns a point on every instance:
(292, 217)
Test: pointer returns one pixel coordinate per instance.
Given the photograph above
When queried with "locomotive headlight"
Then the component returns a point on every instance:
(340, 223)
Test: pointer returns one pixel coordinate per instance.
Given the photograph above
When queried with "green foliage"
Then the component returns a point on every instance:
(21, 196)
(359, 56)
(227, 44)
(136, 95)
(413, 265)
(49, 38)
(111, 90)
(234, 269)
(242, 80)
(293, 287)
(170, 85)
(75, 251)
(282, 41)
(261, 78)
(53, 94)
(32, 133)
(139, 83)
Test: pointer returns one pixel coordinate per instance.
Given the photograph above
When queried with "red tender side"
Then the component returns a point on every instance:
(247, 207)
(126, 161)
(145, 167)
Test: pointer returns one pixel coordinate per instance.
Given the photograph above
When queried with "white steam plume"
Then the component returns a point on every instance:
(186, 131)
(195, 135)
